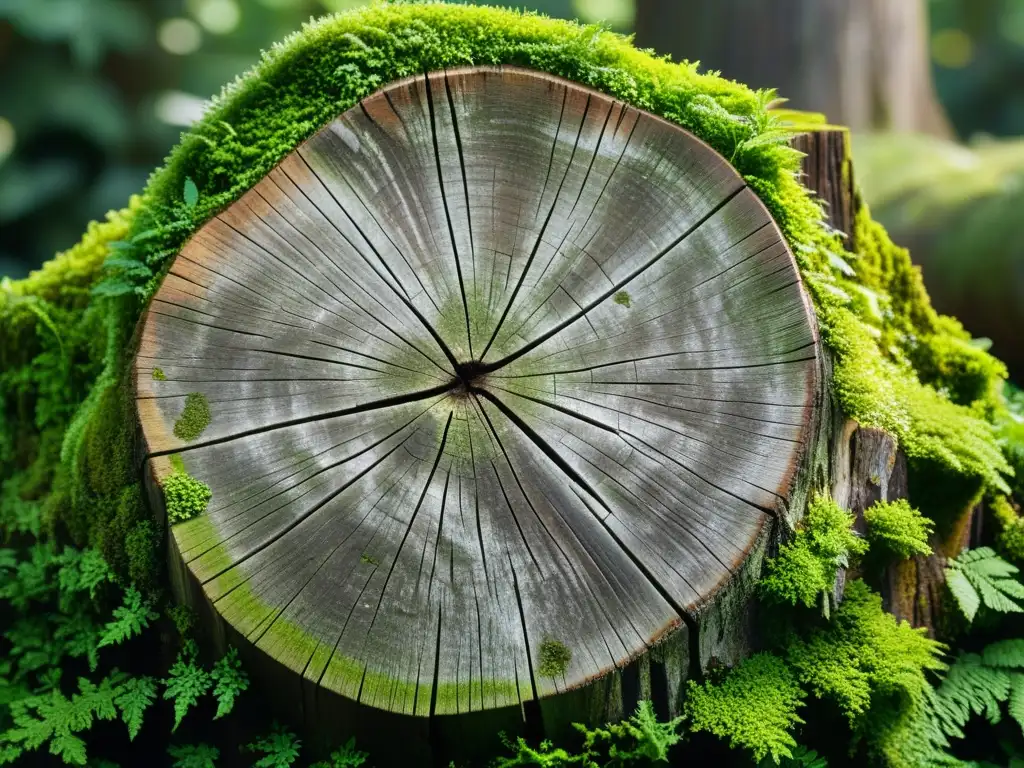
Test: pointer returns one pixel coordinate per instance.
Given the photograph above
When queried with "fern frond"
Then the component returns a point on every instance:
(980, 577)
(133, 698)
(186, 683)
(230, 681)
(1016, 705)
(1005, 653)
(130, 618)
(970, 688)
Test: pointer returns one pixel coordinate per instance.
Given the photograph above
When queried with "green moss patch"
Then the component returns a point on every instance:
(159, 375)
(622, 298)
(194, 419)
(898, 528)
(805, 569)
(553, 658)
(185, 496)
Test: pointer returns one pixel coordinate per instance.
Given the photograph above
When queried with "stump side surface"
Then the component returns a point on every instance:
(496, 367)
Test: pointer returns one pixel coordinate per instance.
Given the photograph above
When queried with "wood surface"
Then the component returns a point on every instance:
(493, 361)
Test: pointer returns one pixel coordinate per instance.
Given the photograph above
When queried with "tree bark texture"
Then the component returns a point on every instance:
(863, 63)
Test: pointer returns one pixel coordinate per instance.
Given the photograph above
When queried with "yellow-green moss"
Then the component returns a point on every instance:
(159, 375)
(553, 658)
(898, 528)
(1010, 539)
(622, 298)
(194, 419)
(805, 569)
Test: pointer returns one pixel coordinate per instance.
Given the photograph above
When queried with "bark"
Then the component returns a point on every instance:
(864, 63)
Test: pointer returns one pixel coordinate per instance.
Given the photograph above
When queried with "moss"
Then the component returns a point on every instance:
(864, 656)
(1010, 539)
(805, 569)
(159, 375)
(755, 707)
(898, 528)
(185, 496)
(194, 419)
(553, 658)
(369, 559)
(184, 620)
(622, 298)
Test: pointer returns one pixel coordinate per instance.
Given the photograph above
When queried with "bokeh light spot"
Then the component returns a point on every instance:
(952, 48)
(218, 17)
(618, 13)
(6, 138)
(179, 36)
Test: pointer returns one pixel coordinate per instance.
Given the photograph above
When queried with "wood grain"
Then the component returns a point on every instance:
(492, 361)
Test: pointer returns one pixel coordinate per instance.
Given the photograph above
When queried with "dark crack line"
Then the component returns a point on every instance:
(543, 229)
(447, 212)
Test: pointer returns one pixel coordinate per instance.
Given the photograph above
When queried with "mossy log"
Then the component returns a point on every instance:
(498, 383)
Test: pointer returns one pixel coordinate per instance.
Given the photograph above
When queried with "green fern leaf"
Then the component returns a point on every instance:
(133, 699)
(187, 682)
(980, 577)
(130, 618)
(970, 688)
(280, 749)
(194, 756)
(1005, 653)
(964, 593)
(1016, 706)
(230, 681)
(68, 748)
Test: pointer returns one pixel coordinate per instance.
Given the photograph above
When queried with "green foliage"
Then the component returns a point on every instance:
(130, 618)
(229, 681)
(193, 756)
(638, 741)
(57, 719)
(1010, 539)
(190, 193)
(979, 684)
(622, 298)
(194, 419)
(134, 697)
(805, 569)
(980, 577)
(159, 375)
(279, 750)
(864, 660)
(346, 756)
(802, 758)
(898, 528)
(185, 496)
(187, 681)
(754, 707)
(553, 658)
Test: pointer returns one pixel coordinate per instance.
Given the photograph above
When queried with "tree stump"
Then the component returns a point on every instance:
(498, 384)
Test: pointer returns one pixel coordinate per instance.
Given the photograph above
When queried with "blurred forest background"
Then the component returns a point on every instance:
(93, 94)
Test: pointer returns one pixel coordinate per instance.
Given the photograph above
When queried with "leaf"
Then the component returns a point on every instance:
(231, 680)
(133, 698)
(964, 593)
(186, 683)
(280, 749)
(1016, 706)
(194, 756)
(1005, 653)
(68, 748)
(190, 193)
(130, 618)
(980, 577)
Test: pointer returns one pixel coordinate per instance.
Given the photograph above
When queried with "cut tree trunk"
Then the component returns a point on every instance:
(864, 63)
(507, 382)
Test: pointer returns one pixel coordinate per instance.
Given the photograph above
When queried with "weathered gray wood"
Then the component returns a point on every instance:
(493, 362)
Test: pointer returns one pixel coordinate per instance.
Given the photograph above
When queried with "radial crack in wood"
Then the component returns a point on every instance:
(493, 363)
